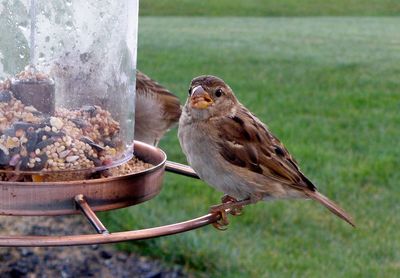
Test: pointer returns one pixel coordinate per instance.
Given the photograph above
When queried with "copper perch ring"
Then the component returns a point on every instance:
(29, 241)
(103, 236)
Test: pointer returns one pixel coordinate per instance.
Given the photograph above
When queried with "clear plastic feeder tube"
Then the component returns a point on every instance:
(67, 83)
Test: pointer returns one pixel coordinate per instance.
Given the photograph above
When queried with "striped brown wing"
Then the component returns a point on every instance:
(247, 143)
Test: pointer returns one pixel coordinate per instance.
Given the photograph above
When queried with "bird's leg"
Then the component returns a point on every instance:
(229, 205)
(226, 199)
(237, 206)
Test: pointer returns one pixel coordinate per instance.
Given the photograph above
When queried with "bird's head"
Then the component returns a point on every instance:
(210, 96)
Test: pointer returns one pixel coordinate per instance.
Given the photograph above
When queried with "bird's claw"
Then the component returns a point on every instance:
(229, 205)
(222, 223)
(235, 210)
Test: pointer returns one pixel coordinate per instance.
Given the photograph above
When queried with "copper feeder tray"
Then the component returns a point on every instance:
(89, 196)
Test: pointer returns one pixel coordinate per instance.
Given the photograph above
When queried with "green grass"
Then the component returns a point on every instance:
(329, 88)
(269, 7)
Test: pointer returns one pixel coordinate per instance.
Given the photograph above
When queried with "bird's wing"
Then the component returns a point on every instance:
(171, 105)
(157, 110)
(248, 143)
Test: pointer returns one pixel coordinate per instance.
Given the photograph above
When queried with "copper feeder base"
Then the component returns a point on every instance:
(57, 198)
(89, 196)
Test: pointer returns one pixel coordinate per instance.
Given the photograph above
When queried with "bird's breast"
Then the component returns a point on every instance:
(202, 153)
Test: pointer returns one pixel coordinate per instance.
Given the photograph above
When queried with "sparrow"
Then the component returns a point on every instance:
(157, 110)
(234, 152)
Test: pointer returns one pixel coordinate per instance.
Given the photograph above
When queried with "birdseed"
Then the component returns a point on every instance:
(30, 140)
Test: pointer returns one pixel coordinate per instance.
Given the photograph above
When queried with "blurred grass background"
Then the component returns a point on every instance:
(269, 7)
(329, 88)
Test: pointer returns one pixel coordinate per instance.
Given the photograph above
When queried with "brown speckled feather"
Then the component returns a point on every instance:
(248, 143)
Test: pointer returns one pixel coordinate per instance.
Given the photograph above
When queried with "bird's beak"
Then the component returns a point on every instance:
(200, 99)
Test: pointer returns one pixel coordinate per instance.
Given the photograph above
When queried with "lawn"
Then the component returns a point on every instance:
(270, 7)
(329, 88)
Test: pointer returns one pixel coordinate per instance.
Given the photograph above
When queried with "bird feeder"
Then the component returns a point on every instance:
(67, 102)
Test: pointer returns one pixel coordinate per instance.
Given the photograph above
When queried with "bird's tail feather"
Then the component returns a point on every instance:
(334, 208)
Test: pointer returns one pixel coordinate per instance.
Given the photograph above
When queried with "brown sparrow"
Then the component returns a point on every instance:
(157, 110)
(234, 151)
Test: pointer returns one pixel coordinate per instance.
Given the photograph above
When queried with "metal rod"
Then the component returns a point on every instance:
(180, 169)
(30, 241)
(86, 210)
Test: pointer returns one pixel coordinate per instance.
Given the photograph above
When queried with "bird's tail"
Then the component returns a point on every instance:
(334, 208)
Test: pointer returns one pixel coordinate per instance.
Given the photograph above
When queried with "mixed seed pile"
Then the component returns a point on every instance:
(68, 140)
(132, 166)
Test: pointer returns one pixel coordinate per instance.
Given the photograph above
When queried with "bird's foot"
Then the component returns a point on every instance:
(223, 222)
(234, 210)
(229, 205)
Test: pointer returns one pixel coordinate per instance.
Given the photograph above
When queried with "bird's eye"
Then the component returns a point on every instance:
(190, 91)
(218, 93)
